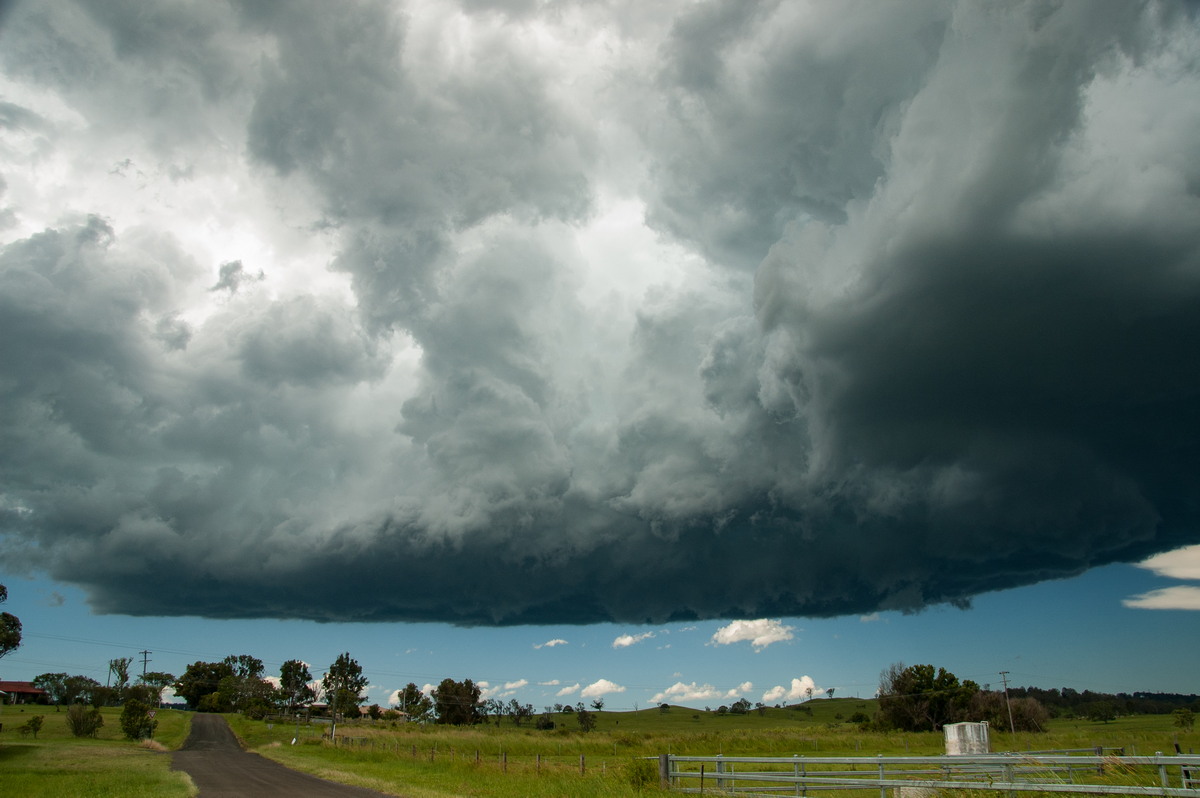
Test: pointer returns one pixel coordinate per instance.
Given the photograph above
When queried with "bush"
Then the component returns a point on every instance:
(641, 773)
(33, 725)
(136, 720)
(84, 721)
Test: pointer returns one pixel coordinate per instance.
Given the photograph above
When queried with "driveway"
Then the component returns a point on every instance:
(220, 768)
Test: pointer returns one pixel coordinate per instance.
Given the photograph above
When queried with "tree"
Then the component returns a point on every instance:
(598, 704)
(344, 684)
(136, 721)
(920, 698)
(829, 692)
(587, 721)
(413, 702)
(518, 711)
(295, 689)
(78, 689)
(55, 684)
(119, 668)
(200, 680)
(1100, 710)
(1184, 718)
(457, 703)
(244, 666)
(10, 628)
(158, 681)
(1028, 714)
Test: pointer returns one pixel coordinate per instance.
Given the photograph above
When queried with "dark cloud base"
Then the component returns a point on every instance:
(938, 334)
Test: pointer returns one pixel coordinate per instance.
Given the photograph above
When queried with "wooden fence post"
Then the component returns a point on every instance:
(581, 764)
(664, 771)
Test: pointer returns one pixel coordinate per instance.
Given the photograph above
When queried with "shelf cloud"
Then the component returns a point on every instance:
(487, 313)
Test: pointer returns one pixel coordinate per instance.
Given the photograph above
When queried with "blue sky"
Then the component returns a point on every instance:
(1070, 633)
(438, 330)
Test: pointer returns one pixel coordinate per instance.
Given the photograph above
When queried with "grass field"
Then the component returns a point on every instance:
(504, 761)
(57, 764)
(507, 761)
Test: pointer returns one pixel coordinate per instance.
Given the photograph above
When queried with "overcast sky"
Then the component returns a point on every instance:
(491, 313)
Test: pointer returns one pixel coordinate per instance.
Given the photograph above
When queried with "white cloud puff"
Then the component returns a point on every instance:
(798, 690)
(760, 633)
(601, 687)
(625, 641)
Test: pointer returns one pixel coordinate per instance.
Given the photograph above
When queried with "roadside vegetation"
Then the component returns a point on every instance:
(58, 763)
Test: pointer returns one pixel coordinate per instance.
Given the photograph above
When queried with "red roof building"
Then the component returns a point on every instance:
(22, 693)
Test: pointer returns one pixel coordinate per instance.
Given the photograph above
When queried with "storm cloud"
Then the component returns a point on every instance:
(496, 313)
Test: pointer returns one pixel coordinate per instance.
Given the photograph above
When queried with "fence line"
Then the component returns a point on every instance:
(1011, 773)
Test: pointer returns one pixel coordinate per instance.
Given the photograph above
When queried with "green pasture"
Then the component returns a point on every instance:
(56, 764)
(501, 761)
(436, 761)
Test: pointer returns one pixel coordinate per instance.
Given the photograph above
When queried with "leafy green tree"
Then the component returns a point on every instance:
(137, 722)
(202, 679)
(921, 698)
(84, 721)
(244, 666)
(10, 628)
(158, 681)
(1028, 714)
(55, 684)
(1100, 711)
(587, 720)
(78, 689)
(295, 689)
(413, 702)
(344, 684)
(457, 703)
(518, 712)
(1184, 718)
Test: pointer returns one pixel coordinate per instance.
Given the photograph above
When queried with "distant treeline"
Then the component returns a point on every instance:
(1068, 702)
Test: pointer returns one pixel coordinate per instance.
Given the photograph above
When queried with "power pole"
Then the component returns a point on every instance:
(144, 654)
(1011, 726)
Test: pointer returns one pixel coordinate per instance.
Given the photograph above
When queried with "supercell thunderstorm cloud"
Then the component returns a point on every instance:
(509, 312)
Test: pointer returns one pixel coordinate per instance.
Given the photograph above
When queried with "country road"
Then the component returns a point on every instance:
(221, 769)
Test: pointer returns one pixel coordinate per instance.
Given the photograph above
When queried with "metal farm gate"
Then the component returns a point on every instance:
(915, 776)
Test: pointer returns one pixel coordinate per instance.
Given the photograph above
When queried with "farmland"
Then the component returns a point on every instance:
(436, 761)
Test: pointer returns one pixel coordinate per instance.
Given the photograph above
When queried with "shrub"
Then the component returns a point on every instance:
(84, 721)
(641, 774)
(136, 721)
(32, 726)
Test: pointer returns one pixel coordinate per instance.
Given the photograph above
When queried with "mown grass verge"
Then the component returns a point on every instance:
(57, 764)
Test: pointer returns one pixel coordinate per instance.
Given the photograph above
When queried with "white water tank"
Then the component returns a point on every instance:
(967, 738)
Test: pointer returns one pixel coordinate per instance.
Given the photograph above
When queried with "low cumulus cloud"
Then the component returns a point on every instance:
(800, 689)
(681, 693)
(569, 690)
(759, 634)
(601, 687)
(487, 316)
(1181, 564)
(558, 641)
(627, 640)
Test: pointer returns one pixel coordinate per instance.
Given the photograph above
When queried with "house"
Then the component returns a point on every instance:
(22, 693)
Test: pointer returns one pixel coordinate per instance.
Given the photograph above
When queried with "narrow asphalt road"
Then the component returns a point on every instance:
(221, 769)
